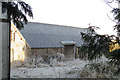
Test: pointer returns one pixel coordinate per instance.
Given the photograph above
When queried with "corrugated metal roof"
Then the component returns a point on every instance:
(40, 35)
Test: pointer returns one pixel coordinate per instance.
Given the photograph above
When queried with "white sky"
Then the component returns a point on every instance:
(78, 13)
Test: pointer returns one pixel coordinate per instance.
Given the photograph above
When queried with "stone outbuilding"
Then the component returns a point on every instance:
(51, 39)
(38, 39)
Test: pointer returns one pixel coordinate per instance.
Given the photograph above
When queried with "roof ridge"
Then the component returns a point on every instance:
(57, 25)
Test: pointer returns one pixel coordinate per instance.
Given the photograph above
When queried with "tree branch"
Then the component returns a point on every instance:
(107, 2)
(111, 19)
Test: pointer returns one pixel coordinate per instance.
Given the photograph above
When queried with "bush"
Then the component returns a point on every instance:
(39, 60)
(99, 70)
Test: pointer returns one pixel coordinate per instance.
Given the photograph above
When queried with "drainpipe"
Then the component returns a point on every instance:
(74, 52)
(47, 50)
(9, 49)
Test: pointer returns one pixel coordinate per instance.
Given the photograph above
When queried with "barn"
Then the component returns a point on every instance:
(51, 39)
(41, 39)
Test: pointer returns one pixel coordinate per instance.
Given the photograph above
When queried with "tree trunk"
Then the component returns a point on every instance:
(4, 46)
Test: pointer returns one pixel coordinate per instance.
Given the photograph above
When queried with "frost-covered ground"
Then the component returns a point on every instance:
(64, 69)
(55, 69)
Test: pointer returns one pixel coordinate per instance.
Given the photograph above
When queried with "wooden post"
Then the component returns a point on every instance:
(46, 50)
(77, 52)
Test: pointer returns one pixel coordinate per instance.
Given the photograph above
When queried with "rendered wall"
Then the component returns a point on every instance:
(5, 49)
(4, 46)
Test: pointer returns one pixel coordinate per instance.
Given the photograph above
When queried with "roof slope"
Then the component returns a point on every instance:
(40, 35)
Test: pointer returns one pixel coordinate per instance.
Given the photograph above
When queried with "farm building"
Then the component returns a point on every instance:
(51, 39)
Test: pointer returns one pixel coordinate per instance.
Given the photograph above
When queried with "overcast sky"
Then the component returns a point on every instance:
(78, 13)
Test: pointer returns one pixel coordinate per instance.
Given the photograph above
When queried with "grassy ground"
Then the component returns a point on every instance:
(66, 69)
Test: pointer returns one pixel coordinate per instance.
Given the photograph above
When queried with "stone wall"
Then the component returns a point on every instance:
(51, 51)
(19, 47)
(46, 51)
(27, 50)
